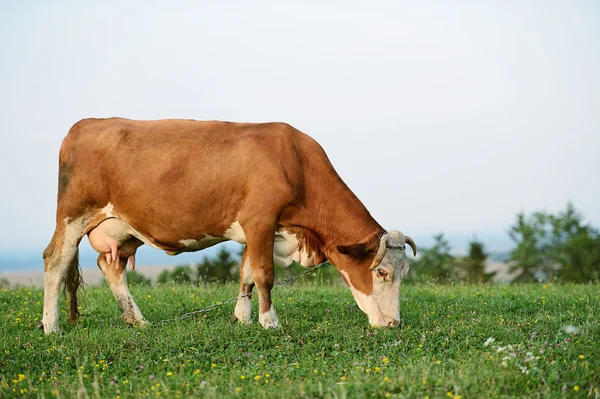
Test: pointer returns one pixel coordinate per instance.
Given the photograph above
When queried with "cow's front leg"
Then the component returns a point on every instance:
(243, 306)
(116, 277)
(260, 256)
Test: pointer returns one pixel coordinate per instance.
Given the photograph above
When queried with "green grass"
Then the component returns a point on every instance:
(324, 347)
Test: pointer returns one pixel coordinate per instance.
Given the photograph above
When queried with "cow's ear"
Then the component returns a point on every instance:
(359, 250)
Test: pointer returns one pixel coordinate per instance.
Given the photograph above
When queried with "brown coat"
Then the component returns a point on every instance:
(183, 185)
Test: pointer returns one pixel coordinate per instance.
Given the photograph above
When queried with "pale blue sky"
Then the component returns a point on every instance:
(440, 116)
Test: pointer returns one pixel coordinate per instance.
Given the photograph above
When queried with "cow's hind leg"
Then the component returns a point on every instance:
(243, 307)
(61, 265)
(116, 277)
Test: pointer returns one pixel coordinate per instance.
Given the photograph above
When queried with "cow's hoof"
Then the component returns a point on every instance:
(267, 325)
(235, 319)
(40, 325)
(138, 323)
(50, 329)
(269, 319)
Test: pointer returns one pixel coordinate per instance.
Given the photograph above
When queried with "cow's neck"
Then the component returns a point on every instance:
(335, 214)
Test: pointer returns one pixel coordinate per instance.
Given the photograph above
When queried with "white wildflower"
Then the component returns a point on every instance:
(488, 341)
(570, 329)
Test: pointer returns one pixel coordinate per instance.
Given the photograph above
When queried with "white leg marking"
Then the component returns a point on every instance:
(269, 319)
(120, 290)
(243, 310)
(243, 306)
(55, 273)
(52, 281)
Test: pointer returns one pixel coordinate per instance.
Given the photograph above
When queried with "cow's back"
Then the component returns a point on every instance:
(178, 175)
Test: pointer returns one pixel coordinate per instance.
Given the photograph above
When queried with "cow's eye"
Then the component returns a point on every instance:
(382, 273)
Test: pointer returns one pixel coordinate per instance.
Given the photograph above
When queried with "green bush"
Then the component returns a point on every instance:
(135, 278)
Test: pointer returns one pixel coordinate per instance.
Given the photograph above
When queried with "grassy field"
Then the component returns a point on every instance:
(464, 341)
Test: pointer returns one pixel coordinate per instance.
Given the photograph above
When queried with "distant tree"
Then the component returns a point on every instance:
(574, 247)
(136, 278)
(223, 268)
(528, 258)
(181, 274)
(436, 263)
(473, 264)
(163, 277)
(558, 246)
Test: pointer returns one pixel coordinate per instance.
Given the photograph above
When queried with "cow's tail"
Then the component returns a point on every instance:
(72, 282)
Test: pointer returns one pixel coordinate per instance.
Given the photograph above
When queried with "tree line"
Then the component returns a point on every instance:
(548, 247)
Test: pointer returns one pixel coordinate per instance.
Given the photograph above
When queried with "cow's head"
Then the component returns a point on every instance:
(373, 272)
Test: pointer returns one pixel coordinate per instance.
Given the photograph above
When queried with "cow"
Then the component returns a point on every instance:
(185, 185)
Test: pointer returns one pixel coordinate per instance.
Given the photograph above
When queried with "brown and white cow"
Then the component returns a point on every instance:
(185, 185)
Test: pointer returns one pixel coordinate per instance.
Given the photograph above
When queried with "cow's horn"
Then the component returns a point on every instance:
(380, 252)
(412, 244)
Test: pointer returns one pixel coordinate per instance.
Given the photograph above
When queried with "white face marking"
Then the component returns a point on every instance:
(235, 233)
(386, 293)
(390, 259)
(269, 319)
(286, 250)
(366, 303)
